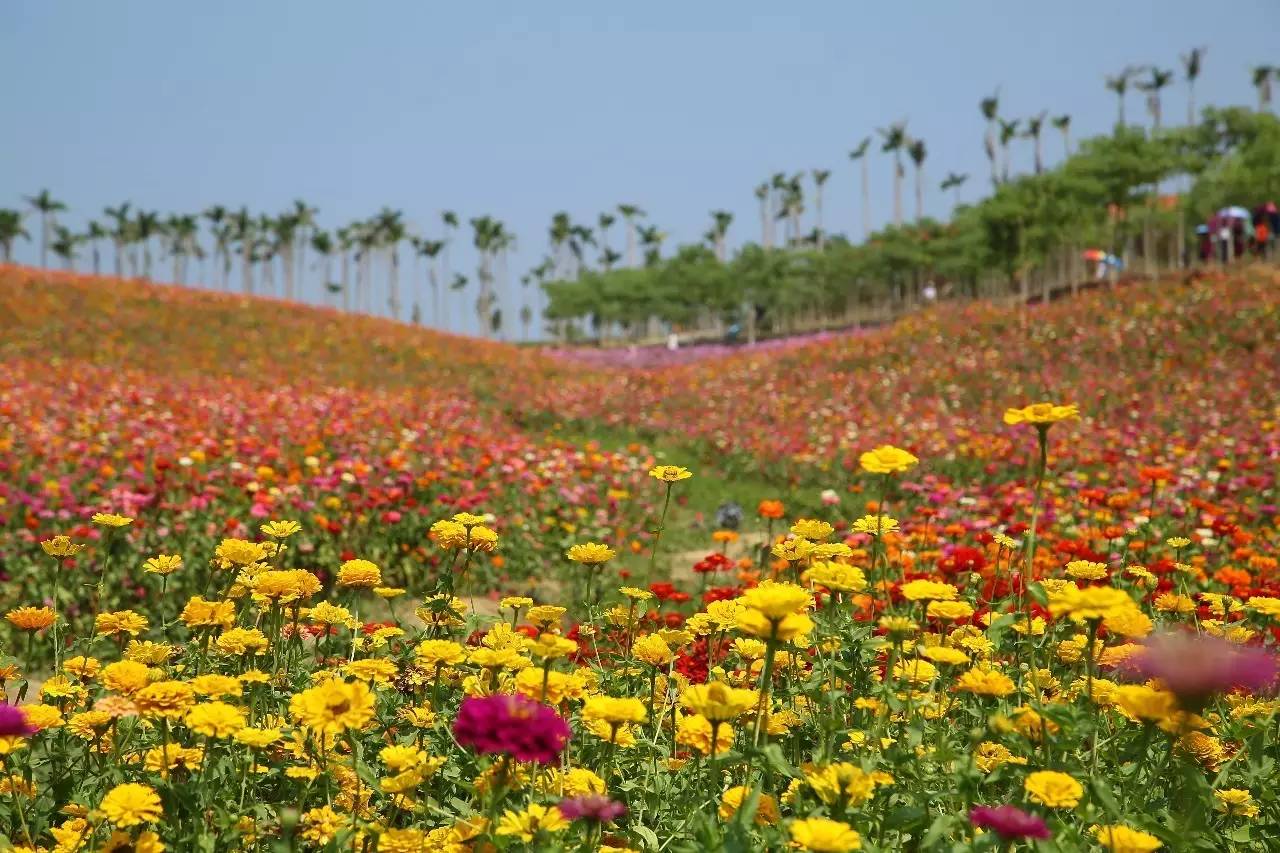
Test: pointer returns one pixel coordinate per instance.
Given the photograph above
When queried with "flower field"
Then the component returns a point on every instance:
(280, 579)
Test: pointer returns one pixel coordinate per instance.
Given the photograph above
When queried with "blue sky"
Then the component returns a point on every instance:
(520, 109)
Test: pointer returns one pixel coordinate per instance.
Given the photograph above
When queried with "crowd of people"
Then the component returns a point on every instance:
(1234, 232)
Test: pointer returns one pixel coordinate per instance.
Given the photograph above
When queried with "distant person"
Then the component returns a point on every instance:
(930, 292)
(732, 334)
(673, 341)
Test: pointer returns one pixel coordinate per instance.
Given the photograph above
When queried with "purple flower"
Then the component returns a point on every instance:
(14, 722)
(1008, 822)
(1195, 667)
(512, 725)
(593, 807)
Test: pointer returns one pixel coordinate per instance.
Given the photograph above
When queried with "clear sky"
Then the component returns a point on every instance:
(521, 109)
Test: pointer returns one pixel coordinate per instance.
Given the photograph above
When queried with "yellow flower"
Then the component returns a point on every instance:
(786, 628)
(614, 711)
(949, 611)
(1053, 789)
(1128, 622)
(199, 613)
(732, 800)
(823, 835)
(1041, 414)
(528, 823)
(812, 529)
(777, 600)
(887, 459)
(915, 670)
(449, 535)
(167, 699)
(1237, 802)
(482, 539)
(1119, 838)
(407, 841)
(874, 525)
(241, 641)
(372, 670)
(717, 701)
(515, 602)
(841, 785)
(61, 546)
(213, 684)
(1094, 602)
(945, 655)
(924, 590)
(837, 577)
(82, 667)
(125, 676)
(670, 473)
(163, 564)
(214, 719)
(984, 683)
(653, 650)
(31, 618)
(108, 519)
(120, 622)
(239, 552)
(1265, 605)
(257, 738)
(1177, 542)
(1145, 703)
(635, 593)
(440, 653)
(544, 616)
(41, 717)
(359, 573)
(333, 706)
(1086, 570)
(990, 755)
(131, 804)
(280, 529)
(792, 549)
(590, 553)
(694, 731)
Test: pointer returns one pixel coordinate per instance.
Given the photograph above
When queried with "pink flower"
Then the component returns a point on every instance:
(14, 722)
(1009, 822)
(1196, 667)
(512, 725)
(592, 807)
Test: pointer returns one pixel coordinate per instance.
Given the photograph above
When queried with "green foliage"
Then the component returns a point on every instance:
(1101, 196)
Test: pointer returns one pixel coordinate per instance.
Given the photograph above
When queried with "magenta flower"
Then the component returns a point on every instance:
(1195, 667)
(14, 722)
(592, 807)
(512, 725)
(1009, 822)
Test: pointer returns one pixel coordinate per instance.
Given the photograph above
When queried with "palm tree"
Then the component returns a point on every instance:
(762, 196)
(430, 249)
(120, 217)
(1062, 123)
(1191, 62)
(345, 237)
(917, 151)
(322, 244)
(630, 213)
(242, 232)
(93, 235)
(450, 221)
(819, 178)
(1119, 83)
(304, 220)
(218, 225)
(389, 231)
(11, 229)
(486, 234)
(895, 139)
(721, 220)
(64, 245)
(1158, 80)
(990, 107)
(1035, 124)
(181, 231)
(859, 155)
(607, 256)
(560, 235)
(147, 225)
(954, 181)
(1262, 75)
(284, 235)
(47, 206)
(1008, 130)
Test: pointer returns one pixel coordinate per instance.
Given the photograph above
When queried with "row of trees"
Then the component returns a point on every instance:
(593, 281)
(1027, 238)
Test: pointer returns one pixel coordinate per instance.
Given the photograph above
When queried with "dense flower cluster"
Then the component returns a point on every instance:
(364, 610)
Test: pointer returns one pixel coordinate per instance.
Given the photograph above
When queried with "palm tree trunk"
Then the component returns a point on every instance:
(395, 284)
(817, 211)
(919, 194)
(346, 281)
(1191, 103)
(44, 240)
(764, 222)
(897, 192)
(96, 266)
(866, 200)
(246, 267)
